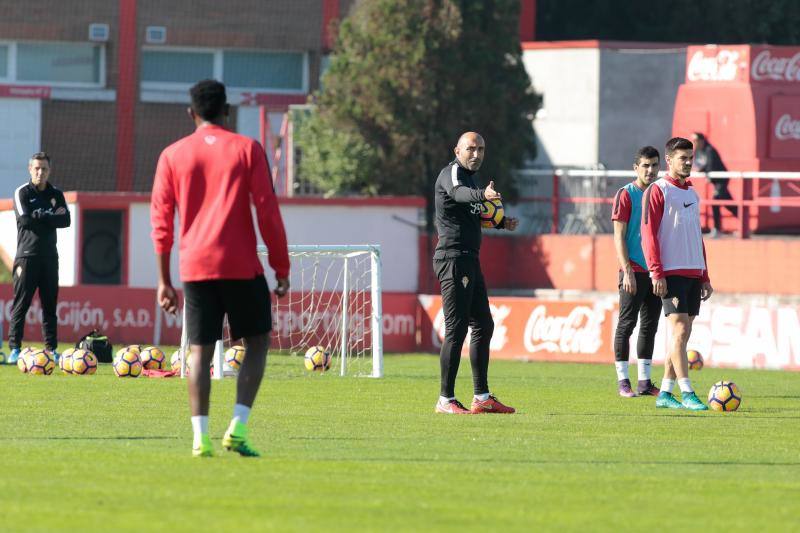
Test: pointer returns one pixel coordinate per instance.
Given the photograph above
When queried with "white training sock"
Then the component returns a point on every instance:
(686, 385)
(622, 369)
(482, 397)
(444, 400)
(667, 385)
(240, 414)
(200, 426)
(644, 369)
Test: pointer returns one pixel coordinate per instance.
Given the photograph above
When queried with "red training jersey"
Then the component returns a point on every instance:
(211, 177)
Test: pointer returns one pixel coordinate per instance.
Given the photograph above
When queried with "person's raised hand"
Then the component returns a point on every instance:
(490, 194)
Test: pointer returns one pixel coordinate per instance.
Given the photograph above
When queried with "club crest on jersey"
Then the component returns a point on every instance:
(676, 301)
(19, 270)
(210, 139)
(465, 281)
(53, 202)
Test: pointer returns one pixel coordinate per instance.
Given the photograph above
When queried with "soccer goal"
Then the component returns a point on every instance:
(334, 301)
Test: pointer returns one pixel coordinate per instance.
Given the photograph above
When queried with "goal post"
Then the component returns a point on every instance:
(334, 300)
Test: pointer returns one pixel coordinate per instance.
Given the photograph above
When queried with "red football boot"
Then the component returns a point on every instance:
(453, 407)
(492, 405)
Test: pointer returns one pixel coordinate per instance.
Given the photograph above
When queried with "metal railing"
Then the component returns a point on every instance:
(580, 200)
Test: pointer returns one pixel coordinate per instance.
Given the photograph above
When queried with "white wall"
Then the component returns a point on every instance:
(142, 269)
(68, 250)
(566, 126)
(20, 133)
(638, 89)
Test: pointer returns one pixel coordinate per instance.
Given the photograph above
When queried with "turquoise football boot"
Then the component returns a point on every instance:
(692, 402)
(666, 400)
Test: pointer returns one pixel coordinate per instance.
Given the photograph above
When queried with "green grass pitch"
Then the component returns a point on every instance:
(103, 454)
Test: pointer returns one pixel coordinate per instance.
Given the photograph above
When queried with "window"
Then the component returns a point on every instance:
(177, 67)
(60, 63)
(3, 61)
(269, 70)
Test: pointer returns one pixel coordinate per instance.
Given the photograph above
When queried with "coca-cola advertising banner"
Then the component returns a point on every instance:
(743, 63)
(527, 328)
(738, 334)
(785, 127)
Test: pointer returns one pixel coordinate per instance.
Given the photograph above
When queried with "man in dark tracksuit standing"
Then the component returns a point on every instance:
(40, 209)
(464, 298)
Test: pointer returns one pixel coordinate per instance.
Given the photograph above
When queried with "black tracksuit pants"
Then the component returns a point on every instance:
(32, 273)
(643, 305)
(465, 304)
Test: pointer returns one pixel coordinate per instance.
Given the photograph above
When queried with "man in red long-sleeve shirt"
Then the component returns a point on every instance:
(673, 247)
(211, 177)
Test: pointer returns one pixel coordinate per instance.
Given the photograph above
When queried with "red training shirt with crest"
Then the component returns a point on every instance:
(211, 177)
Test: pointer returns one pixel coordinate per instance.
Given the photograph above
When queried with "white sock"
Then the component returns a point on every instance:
(240, 414)
(622, 369)
(667, 385)
(644, 369)
(200, 426)
(482, 397)
(445, 400)
(685, 384)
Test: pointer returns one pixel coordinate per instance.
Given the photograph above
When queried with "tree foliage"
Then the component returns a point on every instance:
(407, 78)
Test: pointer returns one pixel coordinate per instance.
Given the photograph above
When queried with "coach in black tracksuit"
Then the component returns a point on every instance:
(465, 302)
(40, 209)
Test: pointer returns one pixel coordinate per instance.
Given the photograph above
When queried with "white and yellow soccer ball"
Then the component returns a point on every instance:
(175, 361)
(153, 358)
(694, 359)
(40, 362)
(234, 357)
(84, 363)
(65, 361)
(127, 365)
(724, 396)
(317, 359)
(492, 213)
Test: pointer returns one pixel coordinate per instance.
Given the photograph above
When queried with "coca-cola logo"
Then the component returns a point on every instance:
(578, 332)
(723, 66)
(787, 128)
(767, 67)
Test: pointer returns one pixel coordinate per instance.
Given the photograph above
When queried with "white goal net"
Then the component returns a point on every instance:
(334, 301)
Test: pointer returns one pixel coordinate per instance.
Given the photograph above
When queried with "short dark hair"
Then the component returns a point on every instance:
(699, 135)
(646, 152)
(208, 99)
(678, 143)
(41, 156)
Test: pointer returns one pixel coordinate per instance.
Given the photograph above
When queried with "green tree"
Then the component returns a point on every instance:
(407, 78)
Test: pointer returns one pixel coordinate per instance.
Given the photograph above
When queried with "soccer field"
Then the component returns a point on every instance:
(104, 454)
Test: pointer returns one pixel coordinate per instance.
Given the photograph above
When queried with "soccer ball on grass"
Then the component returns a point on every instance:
(40, 362)
(724, 396)
(317, 359)
(695, 360)
(84, 363)
(152, 358)
(127, 365)
(234, 357)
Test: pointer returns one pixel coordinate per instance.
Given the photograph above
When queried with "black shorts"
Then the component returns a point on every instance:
(245, 301)
(683, 296)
